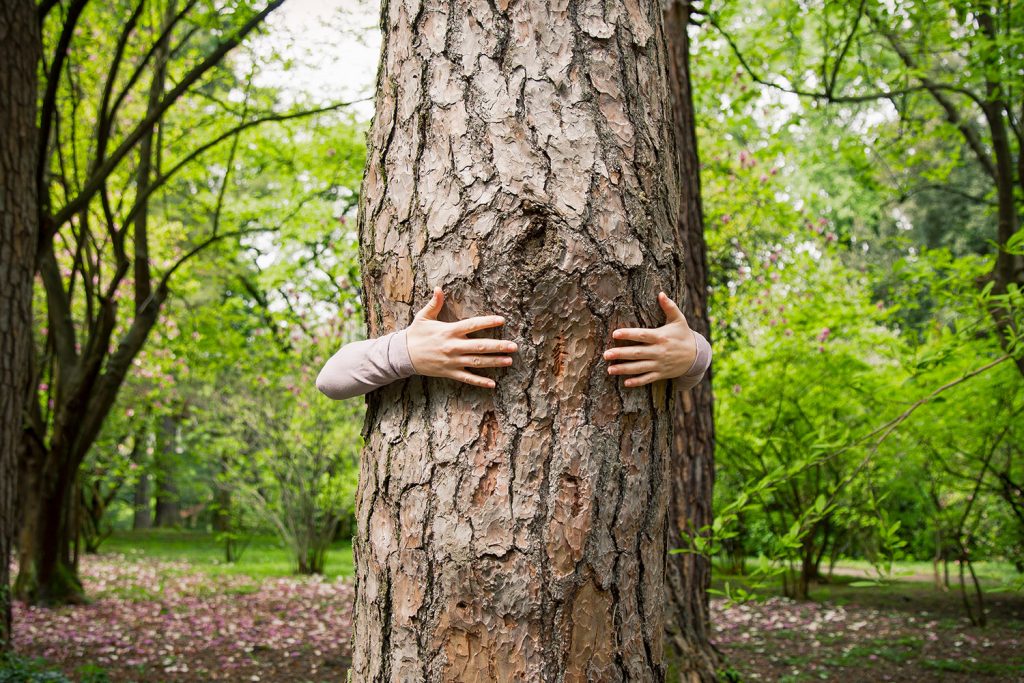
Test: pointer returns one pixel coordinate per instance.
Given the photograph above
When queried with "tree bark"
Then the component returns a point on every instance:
(521, 157)
(693, 467)
(19, 215)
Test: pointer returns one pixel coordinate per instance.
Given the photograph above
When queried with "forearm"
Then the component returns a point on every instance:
(362, 366)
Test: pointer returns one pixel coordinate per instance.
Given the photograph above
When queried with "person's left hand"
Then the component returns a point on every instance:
(661, 352)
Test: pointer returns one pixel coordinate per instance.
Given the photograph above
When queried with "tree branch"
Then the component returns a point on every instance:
(141, 66)
(92, 185)
(48, 108)
(104, 120)
(163, 178)
(952, 113)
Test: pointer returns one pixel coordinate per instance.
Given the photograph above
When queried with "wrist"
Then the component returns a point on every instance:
(399, 353)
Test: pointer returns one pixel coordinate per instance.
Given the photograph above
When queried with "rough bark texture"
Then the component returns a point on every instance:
(19, 55)
(693, 469)
(521, 157)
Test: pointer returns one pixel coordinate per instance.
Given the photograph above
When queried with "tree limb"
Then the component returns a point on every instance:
(92, 185)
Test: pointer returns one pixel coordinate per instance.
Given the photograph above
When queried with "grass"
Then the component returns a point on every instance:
(905, 578)
(990, 572)
(1006, 669)
(264, 556)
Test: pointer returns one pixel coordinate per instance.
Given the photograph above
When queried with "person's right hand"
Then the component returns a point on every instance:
(440, 349)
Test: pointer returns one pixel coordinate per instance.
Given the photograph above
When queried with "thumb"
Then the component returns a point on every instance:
(433, 307)
(672, 312)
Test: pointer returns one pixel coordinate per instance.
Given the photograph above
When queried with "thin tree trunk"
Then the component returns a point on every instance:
(19, 221)
(168, 501)
(693, 468)
(143, 517)
(521, 159)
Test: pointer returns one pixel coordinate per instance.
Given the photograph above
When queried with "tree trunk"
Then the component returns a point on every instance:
(168, 501)
(47, 572)
(520, 158)
(143, 517)
(693, 467)
(19, 221)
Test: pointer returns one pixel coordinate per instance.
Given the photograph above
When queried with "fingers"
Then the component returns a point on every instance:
(470, 378)
(484, 361)
(672, 312)
(480, 322)
(637, 334)
(642, 380)
(476, 346)
(433, 306)
(634, 368)
(637, 352)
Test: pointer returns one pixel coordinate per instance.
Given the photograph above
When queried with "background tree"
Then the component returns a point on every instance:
(113, 133)
(693, 462)
(19, 38)
(948, 65)
(244, 323)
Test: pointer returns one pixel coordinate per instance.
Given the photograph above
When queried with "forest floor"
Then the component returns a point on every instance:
(157, 619)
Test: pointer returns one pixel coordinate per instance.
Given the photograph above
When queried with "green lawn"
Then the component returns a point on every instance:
(264, 556)
(993, 575)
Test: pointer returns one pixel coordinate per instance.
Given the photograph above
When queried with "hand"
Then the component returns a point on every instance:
(440, 349)
(662, 353)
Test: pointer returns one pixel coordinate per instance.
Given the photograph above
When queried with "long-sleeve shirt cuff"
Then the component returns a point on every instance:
(701, 363)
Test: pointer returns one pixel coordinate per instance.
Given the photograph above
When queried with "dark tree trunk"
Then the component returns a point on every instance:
(521, 158)
(222, 509)
(46, 554)
(689, 574)
(168, 500)
(143, 517)
(19, 219)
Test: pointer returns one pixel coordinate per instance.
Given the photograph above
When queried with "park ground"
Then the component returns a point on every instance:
(164, 607)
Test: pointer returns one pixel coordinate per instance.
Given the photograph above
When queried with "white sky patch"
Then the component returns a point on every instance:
(327, 51)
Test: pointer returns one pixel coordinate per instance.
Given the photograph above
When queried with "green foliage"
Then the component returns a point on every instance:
(851, 324)
(866, 401)
(15, 668)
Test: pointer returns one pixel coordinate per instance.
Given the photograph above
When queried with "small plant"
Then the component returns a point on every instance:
(17, 669)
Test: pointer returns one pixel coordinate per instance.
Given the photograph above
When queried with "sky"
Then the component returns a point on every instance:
(333, 45)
